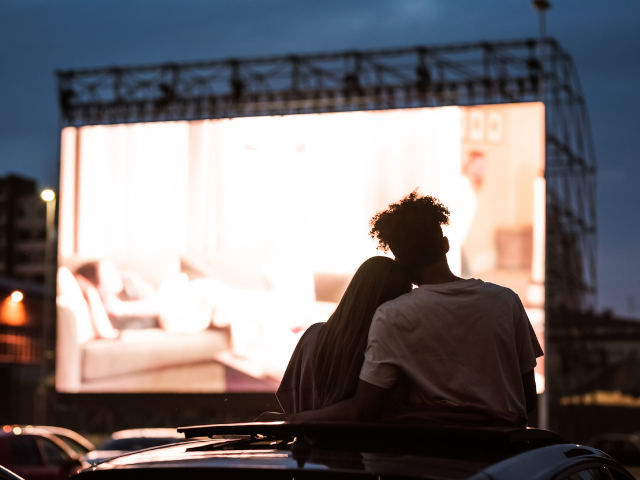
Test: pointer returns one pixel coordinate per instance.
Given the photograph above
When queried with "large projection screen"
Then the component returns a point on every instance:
(193, 254)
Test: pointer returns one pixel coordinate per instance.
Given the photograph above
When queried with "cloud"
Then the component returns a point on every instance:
(40, 36)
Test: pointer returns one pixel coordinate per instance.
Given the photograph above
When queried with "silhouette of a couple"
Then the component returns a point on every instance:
(410, 340)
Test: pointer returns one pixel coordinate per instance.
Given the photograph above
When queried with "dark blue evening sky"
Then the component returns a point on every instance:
(38, 37)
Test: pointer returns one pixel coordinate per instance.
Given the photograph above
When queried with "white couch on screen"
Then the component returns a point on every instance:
(90, 352)
(251, 324)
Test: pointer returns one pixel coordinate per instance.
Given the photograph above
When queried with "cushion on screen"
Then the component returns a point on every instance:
(99, 317)
(70, 296)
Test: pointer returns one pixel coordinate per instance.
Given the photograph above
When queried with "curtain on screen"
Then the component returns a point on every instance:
(266, 188)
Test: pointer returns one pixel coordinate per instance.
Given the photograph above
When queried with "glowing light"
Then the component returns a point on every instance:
(17, 296)
(17, 430)
(6, 428)
(12, 312)
(47, 195)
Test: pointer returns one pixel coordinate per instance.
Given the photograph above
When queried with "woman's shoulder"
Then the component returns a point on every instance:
(315, 327)
(312, 331)
(307, 339)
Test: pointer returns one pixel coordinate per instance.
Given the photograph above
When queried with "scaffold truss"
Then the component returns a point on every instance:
(421, 76)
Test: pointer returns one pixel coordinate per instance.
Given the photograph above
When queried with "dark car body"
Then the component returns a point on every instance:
(339, 450)
(37, 454)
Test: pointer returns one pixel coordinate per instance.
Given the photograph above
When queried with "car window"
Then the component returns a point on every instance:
(618, 474)
(591, 472)
(53, 454)
(77, 447)
(620, 447)
(24, 451)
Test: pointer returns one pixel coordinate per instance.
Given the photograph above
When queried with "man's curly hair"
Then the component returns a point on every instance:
(412, 230)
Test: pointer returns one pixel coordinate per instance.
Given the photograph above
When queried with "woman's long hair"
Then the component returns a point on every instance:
(342, 340)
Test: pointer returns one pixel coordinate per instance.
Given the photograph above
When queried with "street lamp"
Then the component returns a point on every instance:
(12, 310)
(49, 197)
(541, 6)
(17, 296)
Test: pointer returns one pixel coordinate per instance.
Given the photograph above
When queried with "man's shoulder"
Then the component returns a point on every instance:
(399, 302)
(497, 289)
(402, 313)
(499, 295)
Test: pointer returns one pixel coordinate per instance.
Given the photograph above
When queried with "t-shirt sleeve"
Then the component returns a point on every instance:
(380, 367)
(526, 340)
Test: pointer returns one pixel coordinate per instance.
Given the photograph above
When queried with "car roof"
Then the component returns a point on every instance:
(546, 461)
(350, 449)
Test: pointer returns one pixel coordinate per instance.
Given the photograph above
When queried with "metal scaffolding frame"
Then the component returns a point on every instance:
(421, 76)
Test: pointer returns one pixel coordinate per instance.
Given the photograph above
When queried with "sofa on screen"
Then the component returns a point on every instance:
(226, 327)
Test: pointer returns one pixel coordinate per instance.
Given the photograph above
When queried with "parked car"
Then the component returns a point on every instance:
(359, 451)
(124, 441)
(6, 474)
(73, 439)
(36, 454)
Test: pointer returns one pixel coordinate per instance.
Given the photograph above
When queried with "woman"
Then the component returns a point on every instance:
(325, 365)
(127, 305)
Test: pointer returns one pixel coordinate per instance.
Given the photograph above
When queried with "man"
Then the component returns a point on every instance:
(466, 347)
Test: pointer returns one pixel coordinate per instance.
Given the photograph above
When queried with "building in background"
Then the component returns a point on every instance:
(21, 348)
(22, 295)
(22, 229)
(596, 360)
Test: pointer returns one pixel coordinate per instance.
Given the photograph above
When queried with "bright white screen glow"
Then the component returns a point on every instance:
(235, 235)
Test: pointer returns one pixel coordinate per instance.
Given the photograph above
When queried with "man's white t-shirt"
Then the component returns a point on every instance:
(461, 344)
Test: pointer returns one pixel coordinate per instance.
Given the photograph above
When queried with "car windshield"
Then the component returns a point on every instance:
(77, 447)
(137, 443)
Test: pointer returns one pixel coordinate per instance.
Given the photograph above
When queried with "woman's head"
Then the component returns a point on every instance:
(376, 281)
(343, 339)
(103, 274)
(90, 271)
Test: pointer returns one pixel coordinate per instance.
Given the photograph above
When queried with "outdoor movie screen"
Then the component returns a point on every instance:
(194, 254)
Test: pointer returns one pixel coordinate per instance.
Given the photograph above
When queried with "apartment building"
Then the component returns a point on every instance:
(22, 229)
